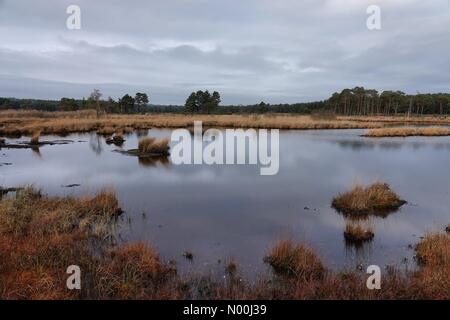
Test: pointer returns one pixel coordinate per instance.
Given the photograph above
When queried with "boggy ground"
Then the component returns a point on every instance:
(16, 123)
(40, 236)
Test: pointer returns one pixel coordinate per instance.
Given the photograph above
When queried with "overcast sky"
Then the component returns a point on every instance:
(249, 50)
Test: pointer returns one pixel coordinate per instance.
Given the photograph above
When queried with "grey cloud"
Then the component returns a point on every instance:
(276, 51)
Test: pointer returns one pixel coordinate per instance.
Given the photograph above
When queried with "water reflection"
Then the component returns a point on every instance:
(95, 143)
(154, 161)
(230, 211)
(371, 143)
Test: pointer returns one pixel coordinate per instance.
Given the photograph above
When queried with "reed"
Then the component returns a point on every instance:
(377, 198)
(408, 132)
(289, 259)
(150, 145)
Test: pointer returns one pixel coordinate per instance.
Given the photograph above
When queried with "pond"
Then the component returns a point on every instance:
(225, 212)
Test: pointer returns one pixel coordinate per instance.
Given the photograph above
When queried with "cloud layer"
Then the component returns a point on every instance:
(253, 50)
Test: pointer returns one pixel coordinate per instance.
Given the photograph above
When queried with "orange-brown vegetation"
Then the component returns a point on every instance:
(377, 199)
(41, 236)
(287, 258)
(408, 132)
(150, 145)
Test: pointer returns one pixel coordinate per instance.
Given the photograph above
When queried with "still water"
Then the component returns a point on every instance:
(225, 212)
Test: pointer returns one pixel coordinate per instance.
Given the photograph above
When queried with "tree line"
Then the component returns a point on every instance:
(361, 101)
(127, 104)
(356, 101)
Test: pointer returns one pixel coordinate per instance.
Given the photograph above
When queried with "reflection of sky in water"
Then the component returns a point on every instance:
(224, 212)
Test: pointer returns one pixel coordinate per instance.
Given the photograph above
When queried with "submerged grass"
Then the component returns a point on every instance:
(377, 199)
(41, 236)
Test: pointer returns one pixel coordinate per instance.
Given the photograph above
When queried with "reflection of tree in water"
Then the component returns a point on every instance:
(153, 161)
(140, 133)
(36, 151)
(355, 144)
(371, 143)
(95, 143)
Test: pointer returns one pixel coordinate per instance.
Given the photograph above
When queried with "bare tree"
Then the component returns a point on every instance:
(95, 97)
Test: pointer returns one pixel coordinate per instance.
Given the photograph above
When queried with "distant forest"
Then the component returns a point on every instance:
(356, 101)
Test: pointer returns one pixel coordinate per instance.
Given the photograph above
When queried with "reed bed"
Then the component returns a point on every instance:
(408, 132)
(16, 124)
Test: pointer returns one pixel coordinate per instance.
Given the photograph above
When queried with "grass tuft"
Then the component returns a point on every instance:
(150, 145)
(377, 199)
(288, 259)
(434, 250)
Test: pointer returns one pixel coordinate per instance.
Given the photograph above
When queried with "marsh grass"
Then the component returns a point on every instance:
(289, 259)
(376, 199)
(409, 132)
(62, 123)
(40, 236)
(134, 271)
(433, 255)
(434, 250)
(106, 131)
(18, 123)
(150, 145)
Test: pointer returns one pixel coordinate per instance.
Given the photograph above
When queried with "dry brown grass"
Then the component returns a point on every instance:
(134, 271)
(19, 123)
(287, 258)
(26, 122)
(107, 131)
(377, 199)
(434, 250)
(40, 236)
(408, 132)
(150, 145)
(433, 254)
(355, 233)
